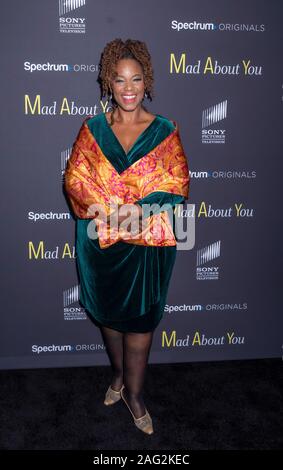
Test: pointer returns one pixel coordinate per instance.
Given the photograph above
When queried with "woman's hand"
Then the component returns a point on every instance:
(136, 220)
(136, 226)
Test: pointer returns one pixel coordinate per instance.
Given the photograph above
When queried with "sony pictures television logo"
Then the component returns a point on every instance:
(205, 255)
(65, 155)
(210, 116)
(72, 311)
(69, 22)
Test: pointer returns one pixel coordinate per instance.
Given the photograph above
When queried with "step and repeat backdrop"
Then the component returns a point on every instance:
(217, 73)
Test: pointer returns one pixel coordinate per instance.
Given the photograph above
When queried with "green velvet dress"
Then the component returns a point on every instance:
(124, 286)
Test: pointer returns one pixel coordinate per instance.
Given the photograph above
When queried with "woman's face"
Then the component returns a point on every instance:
(128, 84)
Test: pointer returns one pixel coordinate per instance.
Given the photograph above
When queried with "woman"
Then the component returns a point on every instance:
(126, 158)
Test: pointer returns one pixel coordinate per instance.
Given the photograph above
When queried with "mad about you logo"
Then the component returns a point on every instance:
(179, 64)
(238, 211)
(198, 338)
(36, 107)
(41, 252)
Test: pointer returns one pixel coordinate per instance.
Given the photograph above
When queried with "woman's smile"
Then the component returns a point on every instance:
(129, 98)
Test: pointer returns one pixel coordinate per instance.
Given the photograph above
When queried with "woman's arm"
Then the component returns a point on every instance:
(85, 194)
(160, 198)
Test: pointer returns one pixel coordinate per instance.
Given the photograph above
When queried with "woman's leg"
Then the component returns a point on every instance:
(113, 341)
(136, 352)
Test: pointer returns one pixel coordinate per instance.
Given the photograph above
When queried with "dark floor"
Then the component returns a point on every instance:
(217, 405)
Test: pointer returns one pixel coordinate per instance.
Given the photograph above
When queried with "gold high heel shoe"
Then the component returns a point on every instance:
(144, 423)
(112, 396)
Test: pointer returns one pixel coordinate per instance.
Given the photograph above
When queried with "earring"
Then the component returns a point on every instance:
(110, 97)
(145, 95)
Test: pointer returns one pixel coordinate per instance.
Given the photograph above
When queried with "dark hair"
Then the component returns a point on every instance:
(130, 49)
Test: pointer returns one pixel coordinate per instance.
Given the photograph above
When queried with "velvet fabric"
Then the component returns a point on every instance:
(124, 286)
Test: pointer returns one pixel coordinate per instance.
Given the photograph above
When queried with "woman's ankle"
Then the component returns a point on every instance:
(135, 402)
(117, 382)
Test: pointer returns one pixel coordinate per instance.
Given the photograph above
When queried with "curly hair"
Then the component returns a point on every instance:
(130, 49)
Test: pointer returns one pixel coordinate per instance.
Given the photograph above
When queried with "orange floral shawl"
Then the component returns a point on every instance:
(91, 179)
